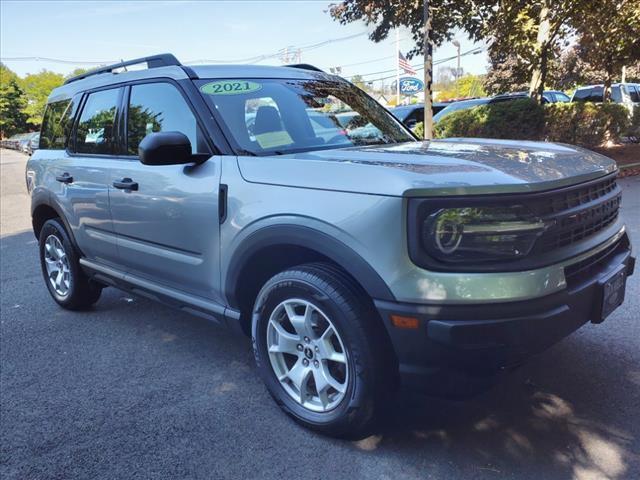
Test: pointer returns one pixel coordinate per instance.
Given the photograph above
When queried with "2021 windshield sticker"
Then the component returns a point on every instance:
(230, 87)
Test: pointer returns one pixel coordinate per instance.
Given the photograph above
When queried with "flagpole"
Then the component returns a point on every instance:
(428, 77)
(397, 67)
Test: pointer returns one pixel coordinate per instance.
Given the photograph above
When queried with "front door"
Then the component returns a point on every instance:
(166, 220)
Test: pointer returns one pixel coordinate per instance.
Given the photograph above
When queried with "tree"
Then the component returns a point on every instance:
(385, 15)
(464, 87)
(12, 102)
(358, 81)
(37, 87)
(76, 72)
(506, 73)
(609, 37)
(531, 33)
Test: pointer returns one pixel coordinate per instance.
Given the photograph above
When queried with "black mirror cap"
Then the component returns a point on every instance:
(165, 148)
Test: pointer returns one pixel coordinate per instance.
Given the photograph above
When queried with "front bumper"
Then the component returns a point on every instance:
(481, 339)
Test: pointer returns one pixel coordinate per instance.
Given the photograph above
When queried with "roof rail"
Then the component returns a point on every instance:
(154, 61)
(305, 66)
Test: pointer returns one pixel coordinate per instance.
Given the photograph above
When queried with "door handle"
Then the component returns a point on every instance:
(65, 178)
(126, 184)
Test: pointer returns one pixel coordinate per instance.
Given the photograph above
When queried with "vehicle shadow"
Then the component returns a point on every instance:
(573, 424)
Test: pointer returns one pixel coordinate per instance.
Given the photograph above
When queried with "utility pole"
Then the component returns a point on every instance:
(456, 44)
(428, 74)
(397, 67)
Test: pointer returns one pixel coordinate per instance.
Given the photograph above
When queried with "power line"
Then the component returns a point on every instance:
(254, 59)
(366, 61)
(58, 60)
(473, 51)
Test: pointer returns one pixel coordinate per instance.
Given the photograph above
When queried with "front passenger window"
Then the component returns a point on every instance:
(159, 107)
(95, 132)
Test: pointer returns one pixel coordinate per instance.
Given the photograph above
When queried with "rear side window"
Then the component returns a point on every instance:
(616, 94)
(634, 93)
(582, 95)
(96, 127)
(160, 107)
(56, 125)
(596, 94)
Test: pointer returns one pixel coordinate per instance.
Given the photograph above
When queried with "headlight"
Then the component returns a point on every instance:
(481, 233)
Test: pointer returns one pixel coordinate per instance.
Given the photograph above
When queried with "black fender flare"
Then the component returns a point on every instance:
(44, 200)
(312, 239)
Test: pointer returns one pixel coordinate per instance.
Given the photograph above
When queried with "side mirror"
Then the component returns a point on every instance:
(165, 148)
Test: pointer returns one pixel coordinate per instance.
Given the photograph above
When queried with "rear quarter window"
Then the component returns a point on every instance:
(57, 124)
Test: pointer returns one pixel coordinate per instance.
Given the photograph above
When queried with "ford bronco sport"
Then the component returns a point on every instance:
(287, 204)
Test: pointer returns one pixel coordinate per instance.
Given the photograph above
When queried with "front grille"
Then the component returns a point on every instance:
(577, 272)
(577, 213)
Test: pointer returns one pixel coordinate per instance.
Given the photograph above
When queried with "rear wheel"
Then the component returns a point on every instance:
(319, 349)
(65, 280)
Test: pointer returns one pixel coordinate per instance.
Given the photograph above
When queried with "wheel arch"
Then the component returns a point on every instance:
(44, 210)
(274, 248)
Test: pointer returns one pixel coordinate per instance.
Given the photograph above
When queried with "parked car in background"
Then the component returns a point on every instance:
(20, 141)
(24, 144)
(34, 143)
(12, 142)
(411, 115)
(623, 93)
(549, 96)
(463, 105)
(634, 92)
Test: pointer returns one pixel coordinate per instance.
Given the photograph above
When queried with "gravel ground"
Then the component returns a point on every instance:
(133, 389)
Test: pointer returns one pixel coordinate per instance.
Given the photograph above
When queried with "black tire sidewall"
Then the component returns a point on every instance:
(54, 227)
(359, 394)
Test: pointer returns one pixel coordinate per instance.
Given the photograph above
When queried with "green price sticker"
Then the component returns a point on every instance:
(230, 87)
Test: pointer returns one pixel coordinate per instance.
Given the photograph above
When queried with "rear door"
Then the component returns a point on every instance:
(82, 173)
(168, 225)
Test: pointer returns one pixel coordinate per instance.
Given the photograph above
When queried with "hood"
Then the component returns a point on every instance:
(437, 167)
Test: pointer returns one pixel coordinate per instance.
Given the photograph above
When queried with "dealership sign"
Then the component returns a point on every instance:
(411, 86)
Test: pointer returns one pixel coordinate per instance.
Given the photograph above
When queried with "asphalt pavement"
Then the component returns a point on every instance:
(133, 390)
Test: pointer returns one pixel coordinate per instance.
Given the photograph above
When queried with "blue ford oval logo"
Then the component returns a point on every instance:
(411, 86)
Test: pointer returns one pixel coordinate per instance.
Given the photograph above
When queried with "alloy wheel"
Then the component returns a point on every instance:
(307, 355)
(57, 265)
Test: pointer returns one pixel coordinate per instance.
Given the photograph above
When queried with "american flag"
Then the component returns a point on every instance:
(404, 64)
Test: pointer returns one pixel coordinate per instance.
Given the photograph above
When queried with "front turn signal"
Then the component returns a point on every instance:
(399, 321)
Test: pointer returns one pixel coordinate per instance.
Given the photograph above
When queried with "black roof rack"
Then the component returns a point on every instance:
(154, 61)
(305, 66)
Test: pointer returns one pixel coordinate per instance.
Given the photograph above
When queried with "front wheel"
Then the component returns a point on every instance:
(319, 349)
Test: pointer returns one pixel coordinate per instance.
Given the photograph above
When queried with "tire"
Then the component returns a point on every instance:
(75, 291)
(319, 297)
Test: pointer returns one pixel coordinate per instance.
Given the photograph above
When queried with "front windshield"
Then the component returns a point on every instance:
(279, 116)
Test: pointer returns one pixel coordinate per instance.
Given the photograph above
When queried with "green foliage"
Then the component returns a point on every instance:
(518, 119)
(585, 123)
(634, 126)
(579, 123)
(466, 86)
(76, 72)
(506, 73)
(12, 103)
(609, 34)
(358, 81)
(37, 87)
(385, 15)
(419, 129)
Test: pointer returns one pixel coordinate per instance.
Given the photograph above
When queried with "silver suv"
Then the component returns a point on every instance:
(358, 258)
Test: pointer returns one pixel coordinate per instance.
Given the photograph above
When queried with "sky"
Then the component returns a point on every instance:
(197, 31)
